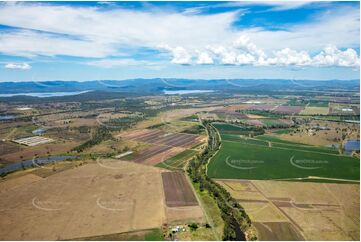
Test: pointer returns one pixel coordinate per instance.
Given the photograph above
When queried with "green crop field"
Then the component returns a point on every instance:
(240, 158)
(178, 161)
(237, 129)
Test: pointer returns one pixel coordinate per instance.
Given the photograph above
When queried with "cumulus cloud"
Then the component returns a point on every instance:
(331, 55)
(204, 58)
(21, 66)
(98, 32)
(245, 52)
(225, 56)
(243, 42)
(180, 55)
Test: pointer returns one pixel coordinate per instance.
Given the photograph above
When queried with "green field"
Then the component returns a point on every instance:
(237, 129)
(178, 161)
(240, 158)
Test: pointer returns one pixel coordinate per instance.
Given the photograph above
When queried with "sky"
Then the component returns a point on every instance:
(43, 41)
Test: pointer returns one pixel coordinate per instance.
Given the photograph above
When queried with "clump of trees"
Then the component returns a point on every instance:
(236, 221)
(101, 133)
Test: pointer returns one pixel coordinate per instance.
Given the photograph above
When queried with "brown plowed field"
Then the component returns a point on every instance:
(177, 190)
(289, 109)
(162, 138)
(148, 153)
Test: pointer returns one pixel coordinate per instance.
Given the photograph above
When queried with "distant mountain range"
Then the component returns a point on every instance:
(158, 85)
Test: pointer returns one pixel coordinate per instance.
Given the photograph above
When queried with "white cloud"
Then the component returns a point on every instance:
(30, 44)
(332, 56)
(288, 56)
(21, 66)
(225, 56)
(210, 38)
(204, 58)
(245, 59)
(244, 52)
(180, 55)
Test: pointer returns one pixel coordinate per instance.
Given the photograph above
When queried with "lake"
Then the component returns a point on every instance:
(6, 117)
(352, 145)
(181, 92)
(38, 161)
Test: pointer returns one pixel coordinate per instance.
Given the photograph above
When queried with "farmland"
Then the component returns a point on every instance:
(284, 210)
(268, 158)
(70, 196)
(226, 165)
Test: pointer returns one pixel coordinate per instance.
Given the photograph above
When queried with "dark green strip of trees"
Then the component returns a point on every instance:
(236, 221)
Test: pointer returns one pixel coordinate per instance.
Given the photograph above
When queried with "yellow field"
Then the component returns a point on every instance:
(299, 210)
(102, 198)
(315, 110)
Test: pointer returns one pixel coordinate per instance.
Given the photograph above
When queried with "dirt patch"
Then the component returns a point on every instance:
(177, 190)
(188, 213)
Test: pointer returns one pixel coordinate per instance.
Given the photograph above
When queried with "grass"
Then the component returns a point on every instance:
(213, 213)
(143, 235)
(236, 129)
(240, 158)
(178, 161)
(283, 131)
(274, 122)
(277, 142)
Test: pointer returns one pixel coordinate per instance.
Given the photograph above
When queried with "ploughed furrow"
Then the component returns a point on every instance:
(149, 136)
(150, 152)
(177, 190)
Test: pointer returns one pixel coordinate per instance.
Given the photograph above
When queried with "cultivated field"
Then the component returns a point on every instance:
(105, 198)
(163, 145)
(299, 211)
(267, 158)
(315, 110)
(177, 190)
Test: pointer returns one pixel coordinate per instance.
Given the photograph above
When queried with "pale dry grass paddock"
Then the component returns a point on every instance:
(312, 211)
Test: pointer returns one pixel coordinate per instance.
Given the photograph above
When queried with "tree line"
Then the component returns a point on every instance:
(236, 221)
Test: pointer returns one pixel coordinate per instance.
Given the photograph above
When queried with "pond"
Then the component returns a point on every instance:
(34, 162)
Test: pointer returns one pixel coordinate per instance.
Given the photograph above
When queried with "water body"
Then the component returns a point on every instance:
(352, 145)
(6, 117)
(33, 163)
(43, 94)
(181, 92)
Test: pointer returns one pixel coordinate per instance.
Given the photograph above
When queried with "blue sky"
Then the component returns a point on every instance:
(202, 40)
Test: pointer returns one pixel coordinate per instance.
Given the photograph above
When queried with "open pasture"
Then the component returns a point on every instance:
(299, 211)
(315, 110)
(289, 109)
